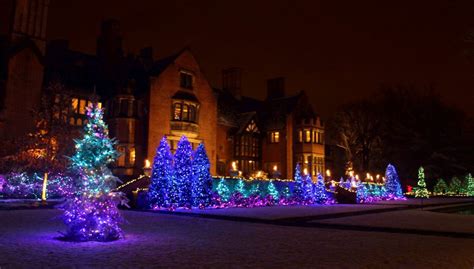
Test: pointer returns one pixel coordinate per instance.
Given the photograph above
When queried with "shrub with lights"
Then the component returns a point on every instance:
(441, 187)
(91, 212)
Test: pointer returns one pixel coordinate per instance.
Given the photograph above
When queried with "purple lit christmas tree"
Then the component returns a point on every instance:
(161, 176)
(91, 213)
(183, 175)
(392, 185)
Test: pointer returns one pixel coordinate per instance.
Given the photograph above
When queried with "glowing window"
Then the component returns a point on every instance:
(300, 136)
(132, 156)
(252, 127)
(177, 112)
(307, 137)
(82, 106)
(275, 137)
(74, 104)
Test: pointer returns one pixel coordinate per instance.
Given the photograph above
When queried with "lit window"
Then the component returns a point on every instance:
(274, 137)
(132, 156)
(252, 127)
(185, 112)
(121, 157)
(74, 104)
(82, 106)
(186, 80)
(177, 112)
(300, 136)
(307, 137)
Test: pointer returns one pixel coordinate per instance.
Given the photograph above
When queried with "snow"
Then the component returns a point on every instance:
(282, 212)
(27, 240)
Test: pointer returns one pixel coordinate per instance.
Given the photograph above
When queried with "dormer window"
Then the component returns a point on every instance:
(186, 80)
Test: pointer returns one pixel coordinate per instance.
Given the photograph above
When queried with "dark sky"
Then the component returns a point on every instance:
(337, 51)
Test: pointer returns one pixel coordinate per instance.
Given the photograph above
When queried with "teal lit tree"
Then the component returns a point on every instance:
(161, 176)
(455, 187)
(202, 180)
(441, 187)
(255, 189)
(320, 195)
(271, 189)
(240, 187)
(392, 183)
(470, 185)
(183, 175)
(223, 190)
(420, 190)
(91, 213)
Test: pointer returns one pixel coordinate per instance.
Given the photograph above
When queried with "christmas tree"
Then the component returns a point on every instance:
(91, 213)
(202, 180)
(299, 184)
(320, 190)
(183, 175)
(161, 176)
(223, 190)
(392, 184)
(455, 186)
(470, 185)
(273, 191)
(362, 193)
(441, 187)
(240, 188)
(420, 190)
(308, 188)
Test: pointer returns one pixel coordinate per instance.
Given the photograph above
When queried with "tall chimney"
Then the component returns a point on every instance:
(276, 88)
(232, 81)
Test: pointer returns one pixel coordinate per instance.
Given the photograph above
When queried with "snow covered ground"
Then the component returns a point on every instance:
(28, 240)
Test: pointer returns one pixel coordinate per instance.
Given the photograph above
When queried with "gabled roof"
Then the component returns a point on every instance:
(159, 66)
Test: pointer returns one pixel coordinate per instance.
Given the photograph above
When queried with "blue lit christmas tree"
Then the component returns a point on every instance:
(202, 180)
(161, 176)
(392, 184)
(299, 184)
(320, 195)
(183, 175)
(308, 188)
(91, 213)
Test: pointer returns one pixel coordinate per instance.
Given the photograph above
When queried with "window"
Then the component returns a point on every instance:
(186, 80)
(307, 136)
(300, 136)
(124, 107)
(252, 127)
(82, 106)
(274, 137)
(132, 156)
(121, 157)
(184, 112)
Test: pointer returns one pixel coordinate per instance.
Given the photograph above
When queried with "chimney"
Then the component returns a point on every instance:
(276, 88)
(232, 81)
(109, 43)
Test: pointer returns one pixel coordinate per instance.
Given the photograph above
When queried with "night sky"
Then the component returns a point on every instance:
(337, 51)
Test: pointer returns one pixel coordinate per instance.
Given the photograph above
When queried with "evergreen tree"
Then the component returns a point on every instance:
(420, 190)
(441, 187)
(255, 189)
(91, 213)
(202, 180)
(470, 185)
(271, 189)
(392, 183)
(286, 192)
(240, 187)
(455, 186)
(308, 189)
(223, 190)
(299, 184)
(320, 195)
(183, 173)
(161, 176)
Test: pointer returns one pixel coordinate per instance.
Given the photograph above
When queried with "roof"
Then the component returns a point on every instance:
(183, 95)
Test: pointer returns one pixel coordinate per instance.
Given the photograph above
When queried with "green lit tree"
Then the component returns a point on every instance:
(455, 187)
(420, 190)
(441, 187)
(470, 185)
